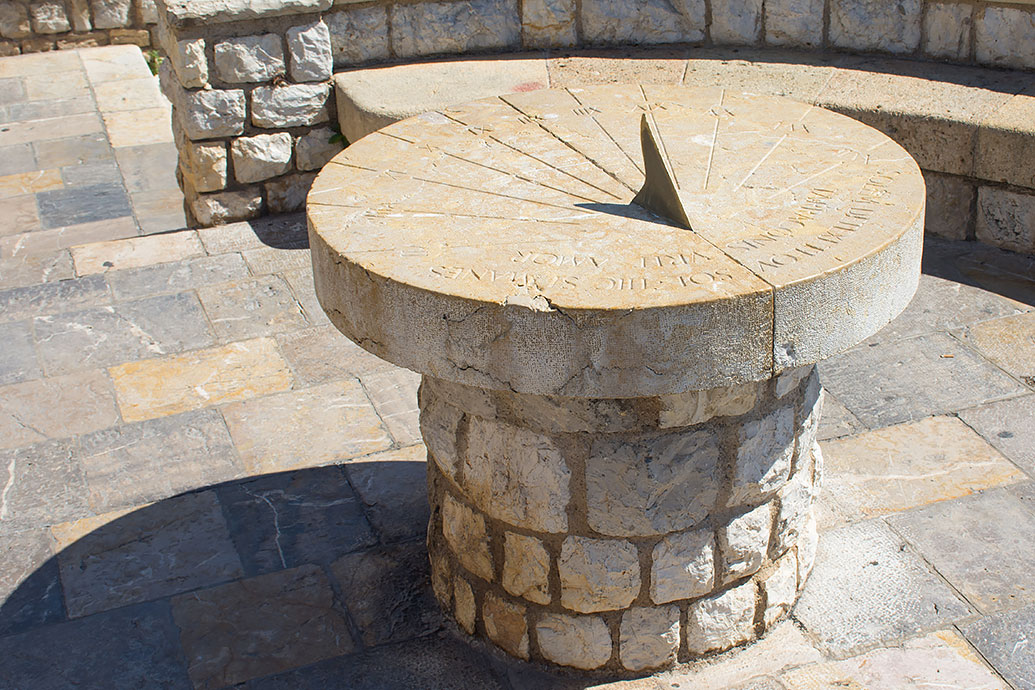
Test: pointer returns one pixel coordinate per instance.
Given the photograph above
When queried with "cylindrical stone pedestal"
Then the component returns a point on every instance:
(621, 534)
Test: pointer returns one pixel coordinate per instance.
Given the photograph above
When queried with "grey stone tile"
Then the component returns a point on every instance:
(156, 551)
(75, 205)
(285, 231)
(179, 276)
(986, 554)
(43, 485)
(56, 407)
(33, 269)
(321, 354)
(59, 153)
(260, 626)
(149, 167)
(944, 305)
(1007, 425)
(301, 281)
(439, 661)
(16, 158)
(836, 421)
(266, 260)
(102, 172)
(30, 591)
(1005, 640)
(160, 210)
(393, 485)
(868, 587)
(134, 647)
(51, 108)
(136, 463)
(251, 307)
(18, 354)
(12, 90)
(1008, 274)
(289, 519)
(394, 394)
(891, 382)
(51, 298)
(130, 330)
(388, 593)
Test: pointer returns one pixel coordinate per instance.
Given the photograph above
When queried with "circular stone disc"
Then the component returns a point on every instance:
(495, 243)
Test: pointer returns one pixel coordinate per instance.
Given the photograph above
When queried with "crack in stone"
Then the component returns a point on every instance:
(7, 488)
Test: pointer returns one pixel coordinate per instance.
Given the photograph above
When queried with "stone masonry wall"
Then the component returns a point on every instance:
(31, 26)
(621, 535)
(250, 81)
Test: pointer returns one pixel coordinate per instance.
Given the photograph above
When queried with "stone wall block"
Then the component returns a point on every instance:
(48, 17)
(9, 48)
(287, 194)
(358, 35)
(765, 447)
(14, 20)
(649, 637)
(797, 23)
(795, 508)
(79, 14)
(746, 543)
(212, 113)
(526, 568)
(455, 27)
(314, 149)
(598, 574)
(37, 45)
(442, 582)
(466, 535)
(189, 62)
(720, 622)
(889, 26)
(579, 641)
(1006, 219)
(204, 165)
(290, 106)
(505, 624)
(652, 484)
(110, 14)
(1006, 143)
(1005, 36)
(464, 605)
(249, 59)
(516, 475)
(684, 566)
(439, 426)
(781, 589)
(261, 157)
(227, 207)
(646, 21)
(136, 37)
(148, 11)
(309, 46)
(947, 30)
(696, 407)
(736, 22)
(807, 546)
(548, 23)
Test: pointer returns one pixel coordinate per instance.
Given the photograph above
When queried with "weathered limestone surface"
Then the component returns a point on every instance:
(314, 149)
(583, 642)
(249, 58)
(260, 157)
(736, 23)
(359, 35)
(548, 23)
(892, 27)
(310, 49)
(1005, 36)
(48, 17)
(947, 29)
(449, 27)
(793, 23)
(598, 574)
(290, 106)
(652, 21)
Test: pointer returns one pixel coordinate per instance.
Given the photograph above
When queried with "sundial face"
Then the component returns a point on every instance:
(776, 218)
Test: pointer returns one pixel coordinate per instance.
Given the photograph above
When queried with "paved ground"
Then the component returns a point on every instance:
(86, 154)
(203, 485)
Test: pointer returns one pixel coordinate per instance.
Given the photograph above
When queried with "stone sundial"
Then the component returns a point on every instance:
(616, 296)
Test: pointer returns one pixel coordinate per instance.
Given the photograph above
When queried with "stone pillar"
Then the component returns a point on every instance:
(621, 534)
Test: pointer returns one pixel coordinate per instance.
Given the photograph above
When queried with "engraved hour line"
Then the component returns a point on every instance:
(546, 129)
(604, 130)
(539, 160)
(485, 191)
(661, 139)
(715, 137)
(505, 172)
(774, 147)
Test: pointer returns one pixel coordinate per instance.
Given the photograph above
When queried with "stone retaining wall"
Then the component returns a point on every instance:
(250, 81)
(31, 26)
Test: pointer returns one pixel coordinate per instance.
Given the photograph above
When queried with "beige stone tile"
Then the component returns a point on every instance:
(39, 63)
(29, 183)
(662, 67)
(68, 533)
(57, 86)
(20, 214)
(315, 426)
(55, 128)
(784, 647)
(113, 63)
(321, 354)
(1008, 341)
(56, 407)
(157, 387)
(32, 269)
(135, 252)
(264, 260)
(394, 393)
(49, 241)
(910, 465)
(138, 127)
(129, 94)
(939, 660)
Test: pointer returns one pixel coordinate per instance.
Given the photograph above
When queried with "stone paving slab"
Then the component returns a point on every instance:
(109, 447)
(1005, 640)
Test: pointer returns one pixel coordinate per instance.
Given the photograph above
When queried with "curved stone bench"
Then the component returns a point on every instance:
(972, 130)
